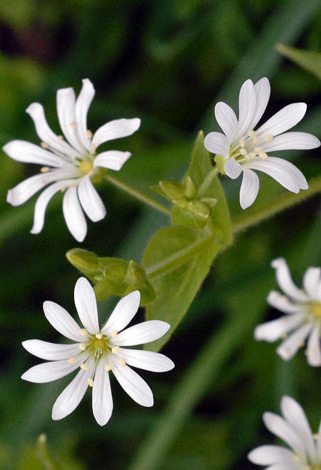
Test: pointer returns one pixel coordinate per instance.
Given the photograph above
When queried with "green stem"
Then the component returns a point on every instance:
(258, 214)
(193, 385)
(137, 194)
(207, 181)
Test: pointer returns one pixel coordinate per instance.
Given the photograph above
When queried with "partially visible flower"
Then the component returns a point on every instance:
(68, 161)
(97, 351)
(303, 314)
(294, 429)
(245, 149)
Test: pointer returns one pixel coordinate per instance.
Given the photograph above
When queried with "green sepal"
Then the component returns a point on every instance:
(172, 189)
(98, 175)
(220, 163)
(190, 187)
(112, 276)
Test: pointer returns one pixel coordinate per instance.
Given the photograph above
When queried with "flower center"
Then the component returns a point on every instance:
(86, 166)
(249, 147)
(316, 311)
(98, 345)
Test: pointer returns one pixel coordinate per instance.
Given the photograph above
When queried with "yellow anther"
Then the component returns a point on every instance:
(115, 349)
(122, 361)
(72, 360)
(89, 134)
(114, 333)
(99, 335)
(252, 133)
(60, 137)
(108, 367)
(268, 138)
(243, 151)
(316, 435)
(257, 149)
(84, 366)
(63, 189)
(82, 347)
(82, 332)
(44, 145)
(44, 169)
(242, 142)
(251, 155)
(73, 125)
(263, 155)
(90, 382)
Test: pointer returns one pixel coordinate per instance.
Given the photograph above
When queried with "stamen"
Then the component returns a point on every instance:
(108, 367)
(44, 145)
(82, 347)
(268, 138)
(90, 382)
(73, 125)
(93, 147)
(114, 333)
(263, 155)
(115, 349)
(99, 335)
(251, 155)
(258, 149)
(243, 152)
(89, 134)
(316, 435)
(122, 361)
(84, 366)
(284, 336)
(72, 360)
(242, 142)
(252, 133)
(60, 137)
(44, 169)
(82, 332)
(63, 189)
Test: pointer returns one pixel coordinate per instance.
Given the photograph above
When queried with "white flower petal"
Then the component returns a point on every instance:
(141, 333)
(247, 107)
(283, 430)
(74, 215)
(286, 118)
(66, 102)
(72, 395)
(284, 280)
(50, 351)
(42, 203)
(115, 130)
(83, 102)
(26, 189)
(102, 400)
(295, 415)
(90, 200)
(284, 172)
(36, 112)
(60, 319)
(232, 168)
(275, 329)
(267, 455)
(226, 119)
(123, 313)
(86, 305)
(262, 90)
(112, 159)
(133, 384)
(291, 141)
(26, 152)
(281, 302)
(50, 371)
(313, 351)
(311, 282)
(249, 188)
(290, 346)
(217, 143)
(146, 360)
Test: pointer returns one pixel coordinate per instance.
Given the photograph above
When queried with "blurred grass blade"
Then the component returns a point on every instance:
(309, 60)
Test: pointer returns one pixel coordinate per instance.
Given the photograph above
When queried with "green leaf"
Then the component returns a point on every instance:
(176, 260)
(308, 60)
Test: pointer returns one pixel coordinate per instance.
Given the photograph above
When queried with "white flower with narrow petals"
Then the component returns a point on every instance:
(303, 314)
(294, 429)
(246, 149)
(68, 162)
(96, 352)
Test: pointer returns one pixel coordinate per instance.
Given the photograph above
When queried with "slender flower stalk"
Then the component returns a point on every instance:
(97, 351)
(302, 319)
(294, 429)
(244, 149)
(68, 161)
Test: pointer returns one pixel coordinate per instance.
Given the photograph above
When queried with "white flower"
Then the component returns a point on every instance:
(68, 162)
(97, 351)
(303, 314)
(245, 149)
(294, 429)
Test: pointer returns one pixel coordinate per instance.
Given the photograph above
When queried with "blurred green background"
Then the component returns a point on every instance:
(167, 63)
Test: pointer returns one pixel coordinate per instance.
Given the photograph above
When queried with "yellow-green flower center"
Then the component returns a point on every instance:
(98, 345)
(316, 312)
(86, 166)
